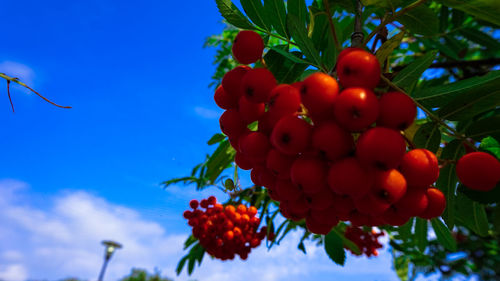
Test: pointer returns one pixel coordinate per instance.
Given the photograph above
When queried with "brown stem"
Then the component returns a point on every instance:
(8, 93)
(393, 18)
(409, 142)
(357, 36)
(332, 27)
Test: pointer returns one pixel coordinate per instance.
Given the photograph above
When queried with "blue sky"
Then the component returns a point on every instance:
(136, 76)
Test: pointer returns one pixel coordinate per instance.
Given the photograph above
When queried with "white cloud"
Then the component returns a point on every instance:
(206, 113)
(61, 238)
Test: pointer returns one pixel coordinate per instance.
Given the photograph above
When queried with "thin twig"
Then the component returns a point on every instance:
(8, 93)
(332, 27)
(357, 36)
(394, 17)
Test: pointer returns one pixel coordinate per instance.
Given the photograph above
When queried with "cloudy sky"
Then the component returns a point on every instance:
(136, 76)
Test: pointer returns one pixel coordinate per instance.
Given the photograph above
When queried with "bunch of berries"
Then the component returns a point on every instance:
(328, 152)
(227, 231)
(367, 241)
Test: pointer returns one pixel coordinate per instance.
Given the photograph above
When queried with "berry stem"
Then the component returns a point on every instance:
(409, 142)
(357, 36)
(430, 114)
(332, 27)
(388, 20)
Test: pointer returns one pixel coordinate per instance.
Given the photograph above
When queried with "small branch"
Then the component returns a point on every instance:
(393, 18)
(357, 36)
(332, 27)
(429, 113)
(8, 93)
(16, 80)
(409, 142)
(459, 64)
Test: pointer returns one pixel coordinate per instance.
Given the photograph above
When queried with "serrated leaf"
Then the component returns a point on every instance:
(487, 10)
(319, 28)
(335, 248)
(299, 35)
(443, 235)
(481, 38)
(409, 76)
(233, 15)
(216, 139)
(277, 12)
(281, 65)
(405, 230)
(181, 264)
(421, 20)
(421, 228)
(467, 106)
(485, 127)
(298, 9)
(428, 136)
(388, 47)
(288, 55)
(255, 11)
(329, 54)
(442, 95)
(220, 160)
(490, 145)
(472, 215)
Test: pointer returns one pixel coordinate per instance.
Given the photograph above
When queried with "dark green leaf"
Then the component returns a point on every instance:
(220, 160)
(329, 54)
(443, 235)
(442, 95)
(298, 9)
(484, 197)
(190, 241)
(281, 65)
(487, 10)
(277, 12)
(191, 263)
(401, 265)
(428, 136)
(288, 55)
(443, 48)
(421, 228)
(233, 15)
(348, 243)
(387, 4)
(468, 105)
(388, 47)
(421, 20)
(443, 18)
(405, 230)
(347, 5)
(299, 34)
(302, 247)
(255, 11)
(485, 127)
(472, 215)
(457, 18)
(319, 27)
(216, 139)
(181, 264)
(409, 76)
(481, 38)
(496, 219)
(447, 180)
(335, 248)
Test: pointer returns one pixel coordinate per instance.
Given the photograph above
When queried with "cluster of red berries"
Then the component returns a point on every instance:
(316, 148)
(478, 171)
(227, 231)
(367, 241)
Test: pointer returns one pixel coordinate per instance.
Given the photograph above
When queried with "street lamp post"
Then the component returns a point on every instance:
(111, 246)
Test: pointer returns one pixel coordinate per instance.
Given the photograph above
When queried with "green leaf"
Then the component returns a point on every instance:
(421, 20)
(286, 67)
(487, 10)
(347, 243)
(319, 28)
(329, 55)
(443, 235)
(496, 219)
(428, 136)
(298, 9)
(181, 264)
(481, 38)
(466, 106)
(255, 11)
(472, 215)
(443, 18)
(490, 145)
(484, 197)
(299, 34)
(409, 76)
(421, 228)
(335, 248)
(216, 139)
(277, 12)
(233, 15)
(401, 264)
(221, 159)
(485, 127)
(347, 5)
(388, 47)
(447, 180)
(387, 4)
(405, 230)
(442, 95)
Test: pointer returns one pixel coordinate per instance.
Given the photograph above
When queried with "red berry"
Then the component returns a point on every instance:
(224, 100)
(231, 123)
(279, 163)
(318, 93)
(242, 161)
(348, 177)
(381, 147)
(420, 167)
(356, 108)
(291, 135)
(285, 100)
(250, 111)
(255, 146)
(390, 185)
(478, 171)
(193, 203)
(332, 141)
(358, 68)
(413, 203)
(231, 82)
(257, 85)
(396, 111)
(287, 190)
(247, 47)
(318, 227)
(309, 174)
(436, 205)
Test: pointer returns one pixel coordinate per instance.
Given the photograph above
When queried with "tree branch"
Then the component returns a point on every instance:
(357, 36)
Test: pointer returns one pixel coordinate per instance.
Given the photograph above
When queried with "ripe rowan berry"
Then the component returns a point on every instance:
(318, 93)
(358, 68)
(396, 111)
(291, 135)
(380, 147)
(332, 141)
(247, 47)
(478, 171)
(257, 85)
(436, 204)
(309, 174)
(420, 167)
(356, 108)
(285, 100)
(348, 177)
